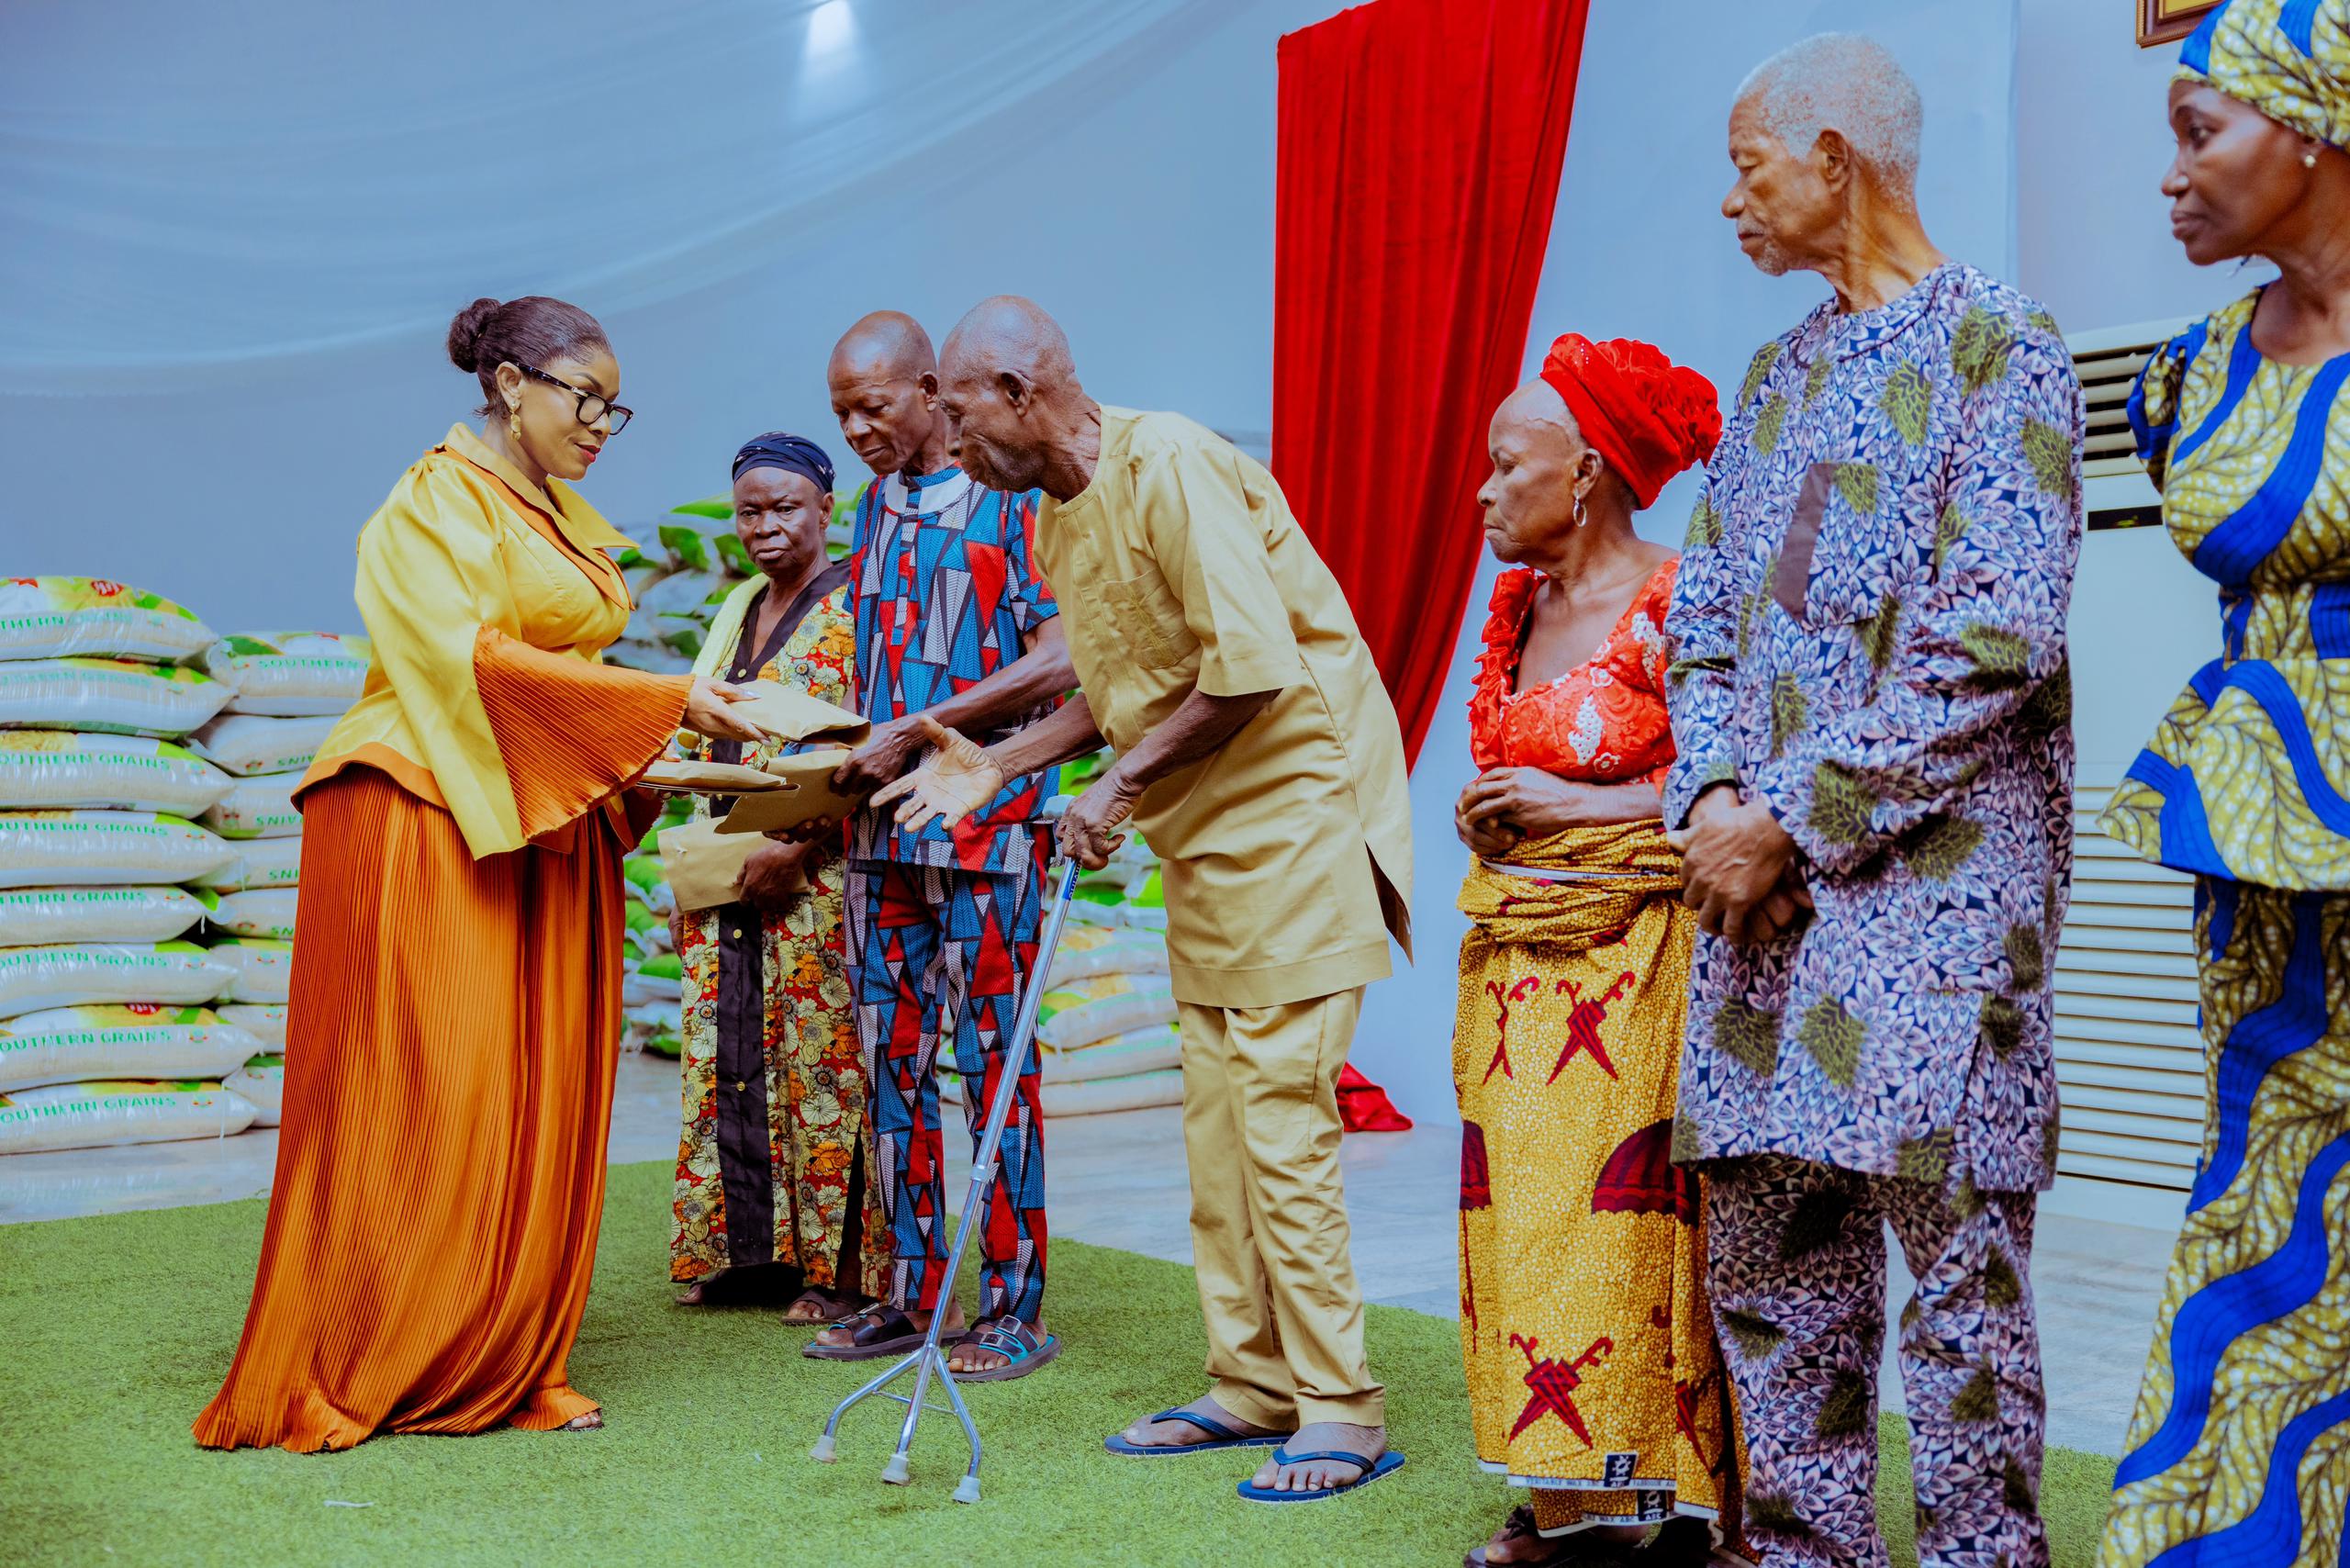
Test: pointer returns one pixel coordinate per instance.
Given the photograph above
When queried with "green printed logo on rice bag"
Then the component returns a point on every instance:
(124, 669)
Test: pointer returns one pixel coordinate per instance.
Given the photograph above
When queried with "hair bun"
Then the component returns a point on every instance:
(464, 333)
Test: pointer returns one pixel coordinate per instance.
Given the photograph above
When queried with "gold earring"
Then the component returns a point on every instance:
(514, 425)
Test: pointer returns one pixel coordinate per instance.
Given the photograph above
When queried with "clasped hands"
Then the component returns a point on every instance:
(1504, 806)
(1740, 870)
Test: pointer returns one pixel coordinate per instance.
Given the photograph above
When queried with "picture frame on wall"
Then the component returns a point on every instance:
(2162, 21)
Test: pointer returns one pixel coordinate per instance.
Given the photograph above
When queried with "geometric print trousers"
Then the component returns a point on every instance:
(1797, 1268)
(936, 950)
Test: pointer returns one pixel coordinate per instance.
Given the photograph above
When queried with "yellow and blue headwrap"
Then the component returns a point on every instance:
(2289, 58)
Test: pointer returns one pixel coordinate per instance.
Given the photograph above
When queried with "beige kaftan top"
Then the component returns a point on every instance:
(1288, 851)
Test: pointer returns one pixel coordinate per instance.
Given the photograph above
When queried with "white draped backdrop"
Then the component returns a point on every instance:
(235, 234)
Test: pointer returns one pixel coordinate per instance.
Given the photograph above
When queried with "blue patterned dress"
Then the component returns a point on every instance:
(2238, 1452)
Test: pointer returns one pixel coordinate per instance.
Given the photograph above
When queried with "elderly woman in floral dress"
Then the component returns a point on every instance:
(775, 1187)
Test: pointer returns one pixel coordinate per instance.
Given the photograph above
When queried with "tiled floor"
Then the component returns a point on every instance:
(1118, 1181)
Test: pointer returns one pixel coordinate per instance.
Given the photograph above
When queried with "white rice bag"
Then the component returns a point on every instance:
(113, 695)
(113, 849)
(261, 1081)
(1121, 1055)
(68, 1045)
(51, 916)
(259, 968)
(264, 911)
(247, 744)
(258, 863)
(289, 674)
(76, 973)
(1085, 1011)
(59, 770)
(55, 618)
(99, 1116)
(265, 1020)
(257, 807)
(1090, 950)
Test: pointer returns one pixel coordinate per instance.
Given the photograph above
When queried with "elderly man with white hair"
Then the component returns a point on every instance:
(1870, 708)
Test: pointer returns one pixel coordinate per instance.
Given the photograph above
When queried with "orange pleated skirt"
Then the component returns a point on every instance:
(450, 1044)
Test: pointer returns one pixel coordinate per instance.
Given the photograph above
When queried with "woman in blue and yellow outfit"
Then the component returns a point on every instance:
(2240, 1449)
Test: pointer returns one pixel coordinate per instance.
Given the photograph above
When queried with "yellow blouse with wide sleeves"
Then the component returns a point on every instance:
(488, 602)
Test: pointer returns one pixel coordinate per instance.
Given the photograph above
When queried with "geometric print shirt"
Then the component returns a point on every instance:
(1868, 633)
(946, 590)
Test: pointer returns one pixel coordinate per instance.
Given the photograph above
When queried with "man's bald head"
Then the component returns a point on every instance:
(1007, 333)
(1009, 389)
(888, 343)
(884, 382)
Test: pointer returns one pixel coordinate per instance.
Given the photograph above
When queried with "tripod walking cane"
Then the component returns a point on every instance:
(930, 1361)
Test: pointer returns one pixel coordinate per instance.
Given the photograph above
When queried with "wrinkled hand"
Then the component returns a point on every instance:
(1535, 802)
(773, 876)
(1486, 837)
(956, 779)
(709, 711)
(809, 831)
(1740, 870)
(882, 760)
(1087, 832)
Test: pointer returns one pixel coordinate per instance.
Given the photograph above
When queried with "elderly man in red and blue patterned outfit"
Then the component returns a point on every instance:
(1874, 772)
(954, 624)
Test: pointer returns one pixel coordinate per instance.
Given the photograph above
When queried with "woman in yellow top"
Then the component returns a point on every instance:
(2238, 1449)
(455, 1008)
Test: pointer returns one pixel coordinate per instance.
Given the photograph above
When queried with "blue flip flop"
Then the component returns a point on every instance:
(1225, 1437)
(1388, 1465)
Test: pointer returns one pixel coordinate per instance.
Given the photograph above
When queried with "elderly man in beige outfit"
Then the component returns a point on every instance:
(1258, 754)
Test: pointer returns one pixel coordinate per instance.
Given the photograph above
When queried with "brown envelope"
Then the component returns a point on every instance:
(704, 778)
(796, 716)
(805, 792)
(703, 864)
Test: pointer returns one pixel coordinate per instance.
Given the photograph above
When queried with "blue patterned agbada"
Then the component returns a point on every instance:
(1869, 631)
(1869, 636)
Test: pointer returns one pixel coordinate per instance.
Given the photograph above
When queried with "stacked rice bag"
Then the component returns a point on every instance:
(651, 975)
(1106, 1038)
(106, 1032)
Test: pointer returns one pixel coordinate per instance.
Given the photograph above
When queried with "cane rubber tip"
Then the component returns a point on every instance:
(824, 1452)
(897, 1472)
(968, 1489)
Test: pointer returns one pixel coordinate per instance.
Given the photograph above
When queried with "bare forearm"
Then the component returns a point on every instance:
(1068, 732)
(1605, 805)
(1195, 730)
(1028, 682)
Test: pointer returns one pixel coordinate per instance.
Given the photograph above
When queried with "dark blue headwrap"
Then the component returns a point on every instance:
(794, 453)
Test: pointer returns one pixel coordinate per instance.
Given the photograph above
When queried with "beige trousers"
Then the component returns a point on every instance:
(1268, 1211)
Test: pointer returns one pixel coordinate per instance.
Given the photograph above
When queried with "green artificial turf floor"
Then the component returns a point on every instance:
(117, 1330)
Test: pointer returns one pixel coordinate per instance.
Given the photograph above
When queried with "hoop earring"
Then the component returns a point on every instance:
(1581, 518)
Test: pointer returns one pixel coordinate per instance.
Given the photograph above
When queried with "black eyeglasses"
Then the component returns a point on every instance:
(592, 406)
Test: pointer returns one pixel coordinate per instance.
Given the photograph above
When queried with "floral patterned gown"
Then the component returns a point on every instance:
(776, 1153)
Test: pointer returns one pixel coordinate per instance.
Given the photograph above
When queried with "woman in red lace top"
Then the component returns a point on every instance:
(1579, 1254)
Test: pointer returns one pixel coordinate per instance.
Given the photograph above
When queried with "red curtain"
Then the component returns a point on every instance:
(1421, 142)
